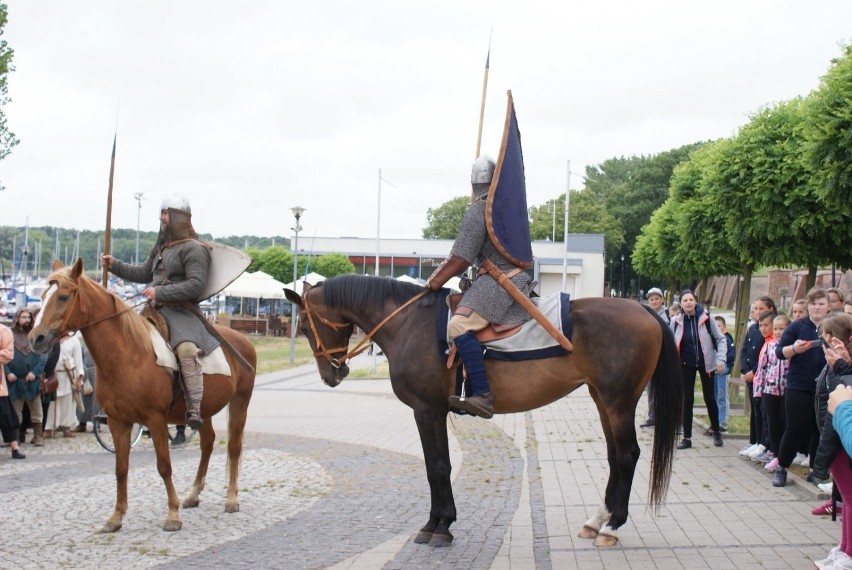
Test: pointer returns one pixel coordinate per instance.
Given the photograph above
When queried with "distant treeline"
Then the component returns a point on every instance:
(42, 245)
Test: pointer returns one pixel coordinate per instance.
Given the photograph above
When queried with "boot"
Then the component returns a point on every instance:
(16, 454)
(38, 440)
(66, 432)
(180, 436)
(193, 388)
(81, 427)
(481, 402)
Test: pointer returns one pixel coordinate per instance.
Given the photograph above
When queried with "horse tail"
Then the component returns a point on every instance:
(667, 393)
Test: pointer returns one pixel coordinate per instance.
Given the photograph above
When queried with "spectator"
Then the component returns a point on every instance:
(749, 354)
(836, 299)
(61, 416)
(673, 311)
(797, 344)
(836, 331)
(655, 301)
(847, 306)
(23, 375)
(770, 382)
(799, 310)
(9, 422)
(721, 380)
(703, 351)
(90, 375)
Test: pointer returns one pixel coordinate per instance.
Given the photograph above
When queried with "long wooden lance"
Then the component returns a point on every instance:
(482, 104)
(108, 231)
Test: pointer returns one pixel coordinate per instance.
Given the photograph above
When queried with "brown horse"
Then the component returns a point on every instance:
(619, 347)
(132, 388)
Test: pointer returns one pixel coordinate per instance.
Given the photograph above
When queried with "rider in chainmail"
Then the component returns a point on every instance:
(176, 271)
(485, 302)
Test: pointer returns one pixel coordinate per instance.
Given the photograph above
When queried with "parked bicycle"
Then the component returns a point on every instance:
(104, 436)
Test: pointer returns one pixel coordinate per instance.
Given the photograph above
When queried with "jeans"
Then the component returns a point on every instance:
(707, 388)
(721, 383)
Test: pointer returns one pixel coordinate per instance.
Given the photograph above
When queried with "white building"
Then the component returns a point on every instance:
(583, 266)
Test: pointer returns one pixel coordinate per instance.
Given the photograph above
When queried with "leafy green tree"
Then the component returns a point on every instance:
(7, 137)
(278, 262)
(332, 264)
(587, 214)
(445, 220)
(829, 131)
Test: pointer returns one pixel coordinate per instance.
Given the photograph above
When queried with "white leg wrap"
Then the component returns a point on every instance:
(608, 531)
(599, 518)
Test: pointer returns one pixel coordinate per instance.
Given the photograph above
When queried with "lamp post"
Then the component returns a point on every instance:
(294, 314)
(610, 277)
(621, 292)
(22, 298)
(138, 196)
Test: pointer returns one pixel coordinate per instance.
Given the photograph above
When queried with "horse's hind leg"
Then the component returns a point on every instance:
(160, 436)
(208, 437)
(237, 413)
(121, 439)
(432, 425)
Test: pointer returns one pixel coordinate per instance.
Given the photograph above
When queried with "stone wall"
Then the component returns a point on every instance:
(783, 285)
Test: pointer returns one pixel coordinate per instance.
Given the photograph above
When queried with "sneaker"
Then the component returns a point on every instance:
(780, 477)
(684, 444)
(764, 457)
(826, 487)
(748, 449)
(826, 509)
(16, 454)
(772, 465)
(828, 562)
(806, 461)
(836, 560)
(799, 458)
(708, 431)
(717, 439)
(759, 450)
(723, 428)
(647, 424)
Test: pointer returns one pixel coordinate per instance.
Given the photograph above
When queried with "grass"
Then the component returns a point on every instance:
(273, 353)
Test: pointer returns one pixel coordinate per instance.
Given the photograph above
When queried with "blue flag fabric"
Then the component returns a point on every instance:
(506, 212)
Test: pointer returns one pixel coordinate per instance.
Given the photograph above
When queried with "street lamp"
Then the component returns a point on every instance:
(22, 298)
(297, 213)
(138, 196)
(621, 293)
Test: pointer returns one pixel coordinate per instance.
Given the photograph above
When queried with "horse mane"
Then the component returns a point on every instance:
(367, 290)
(133, 325)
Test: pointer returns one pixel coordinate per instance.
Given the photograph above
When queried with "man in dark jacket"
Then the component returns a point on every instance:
(23, 375)
(177, 271)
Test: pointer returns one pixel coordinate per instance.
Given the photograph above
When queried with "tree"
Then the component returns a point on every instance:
(445, 221)
(7, 137)
(829, 131)
(333, 264)
(587, 214)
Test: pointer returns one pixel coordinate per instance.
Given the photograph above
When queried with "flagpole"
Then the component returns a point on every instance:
(108, 230)
(482, 104)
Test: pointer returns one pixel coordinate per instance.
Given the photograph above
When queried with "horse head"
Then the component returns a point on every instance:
(327, 332)
(61, 307)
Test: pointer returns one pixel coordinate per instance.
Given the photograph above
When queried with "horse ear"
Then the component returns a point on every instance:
(57, 264)
(77, 268)
(293, 297)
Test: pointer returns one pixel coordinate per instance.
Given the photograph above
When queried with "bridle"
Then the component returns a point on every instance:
(328, 353)
(81, 312)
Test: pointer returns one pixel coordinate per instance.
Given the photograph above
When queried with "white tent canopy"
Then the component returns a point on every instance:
(257, 285)
(312, 279)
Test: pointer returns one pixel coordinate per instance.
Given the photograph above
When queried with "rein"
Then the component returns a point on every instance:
(82, 313)
(362, 345)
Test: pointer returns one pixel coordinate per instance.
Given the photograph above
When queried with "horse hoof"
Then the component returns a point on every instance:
(110, 527)
(440, 540)
(605, 540)
(190, 503)
(423, 537)
(172, 525)
(588, 532)
(232, 507)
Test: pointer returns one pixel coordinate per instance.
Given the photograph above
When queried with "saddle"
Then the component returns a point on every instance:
(155, 318)
(490, 333)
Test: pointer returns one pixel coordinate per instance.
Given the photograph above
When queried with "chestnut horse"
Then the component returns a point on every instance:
(619, 346)
(132, 388)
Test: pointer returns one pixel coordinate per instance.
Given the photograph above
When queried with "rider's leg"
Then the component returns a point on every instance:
(461, 332)
(193, 382)
(180, 435)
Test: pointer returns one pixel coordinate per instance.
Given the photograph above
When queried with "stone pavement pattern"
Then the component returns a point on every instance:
(334, 478)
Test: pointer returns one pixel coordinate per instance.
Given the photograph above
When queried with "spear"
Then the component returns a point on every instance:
(482, 105)
(108, 231)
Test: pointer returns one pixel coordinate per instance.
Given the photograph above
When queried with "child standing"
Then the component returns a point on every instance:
(770, 382)
(721, 380)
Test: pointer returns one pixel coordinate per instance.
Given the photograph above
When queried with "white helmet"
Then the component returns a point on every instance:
(176, 201)
(483, 170)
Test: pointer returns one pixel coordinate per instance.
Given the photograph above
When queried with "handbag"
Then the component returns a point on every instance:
(88, 389)
(50, 384)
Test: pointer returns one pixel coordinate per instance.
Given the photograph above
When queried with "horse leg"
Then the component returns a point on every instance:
(432, 426)
(208, 437)
(160, 437)
(592, 527)
(623, 464)
(121, 440)
(237, 413)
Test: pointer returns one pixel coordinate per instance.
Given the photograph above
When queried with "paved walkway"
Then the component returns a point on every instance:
(334, 478)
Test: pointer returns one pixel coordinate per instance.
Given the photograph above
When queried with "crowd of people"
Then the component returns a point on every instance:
(796, 370)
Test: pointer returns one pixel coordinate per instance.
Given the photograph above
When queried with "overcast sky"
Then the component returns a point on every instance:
(250, 108)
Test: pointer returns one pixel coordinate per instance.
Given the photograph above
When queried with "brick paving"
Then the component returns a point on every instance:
(334, 478)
